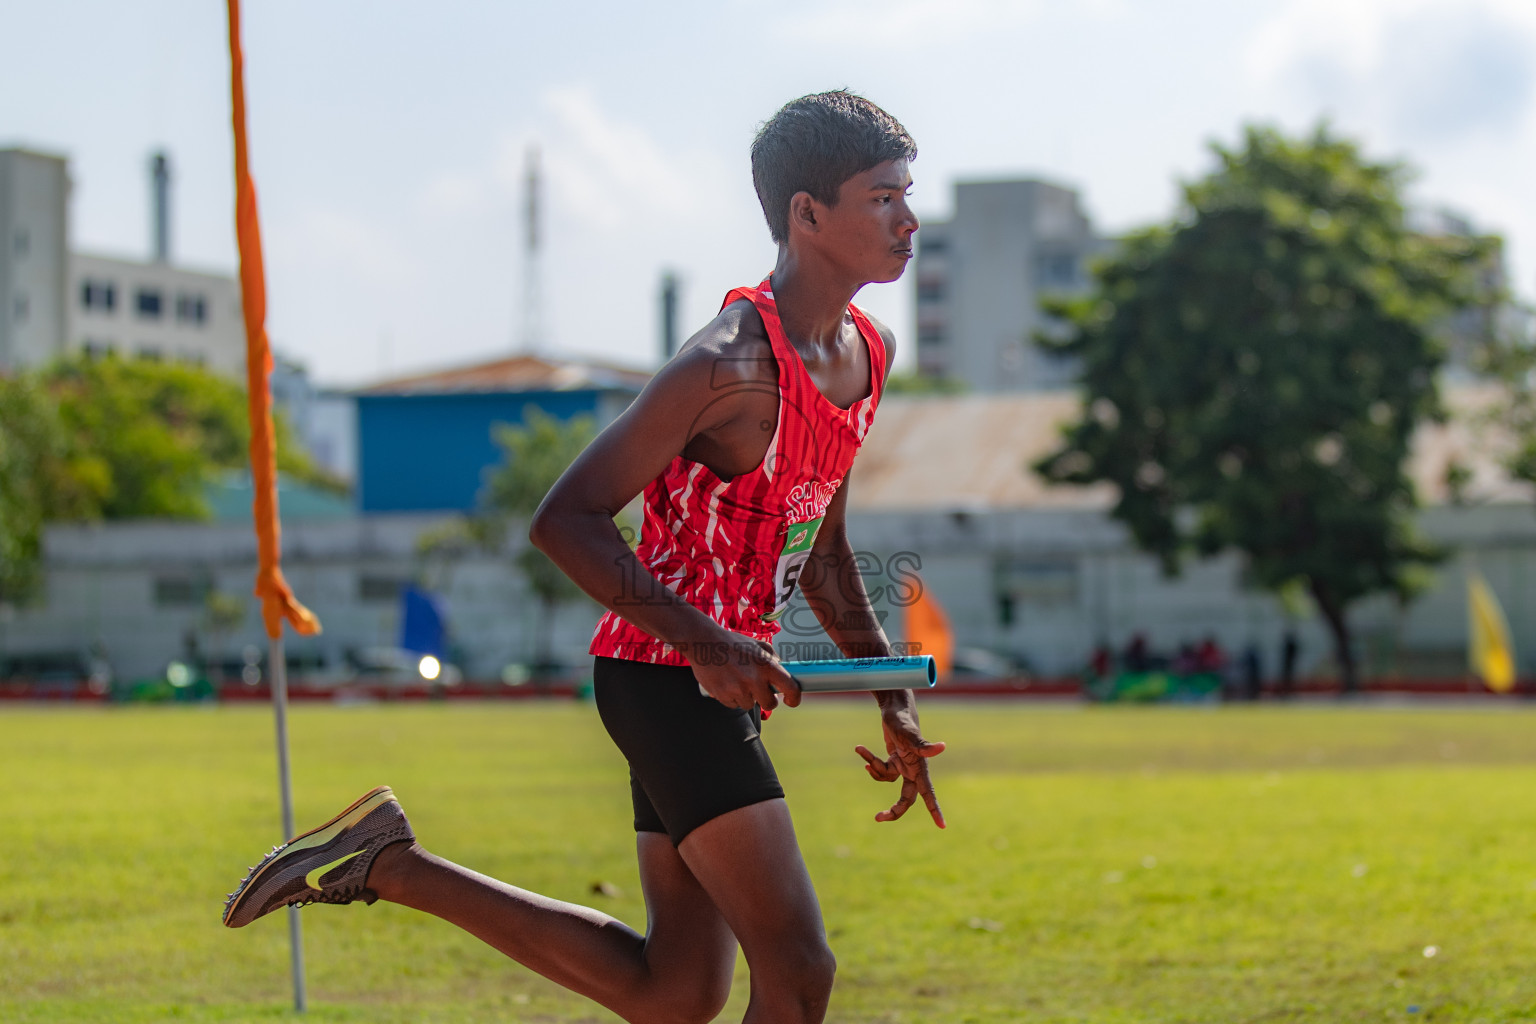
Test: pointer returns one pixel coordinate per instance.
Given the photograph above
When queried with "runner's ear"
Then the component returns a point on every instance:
(802, 213)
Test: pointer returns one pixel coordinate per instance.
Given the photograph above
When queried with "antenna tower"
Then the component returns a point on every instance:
(532, 340)
(160, 206)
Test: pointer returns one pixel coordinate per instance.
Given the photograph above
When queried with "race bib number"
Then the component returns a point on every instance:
(797, 551)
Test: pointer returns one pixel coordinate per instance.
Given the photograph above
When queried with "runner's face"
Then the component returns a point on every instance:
(870, 229)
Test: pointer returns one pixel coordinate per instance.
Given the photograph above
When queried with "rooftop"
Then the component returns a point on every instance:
(974, 451)
(517, 373)
(230, 498)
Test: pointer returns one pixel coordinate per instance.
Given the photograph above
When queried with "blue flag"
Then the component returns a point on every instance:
(421, 622)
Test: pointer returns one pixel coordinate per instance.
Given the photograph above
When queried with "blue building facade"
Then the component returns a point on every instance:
(425, 444)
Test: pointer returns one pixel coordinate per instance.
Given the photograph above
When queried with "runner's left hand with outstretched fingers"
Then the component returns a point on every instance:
(908, 756)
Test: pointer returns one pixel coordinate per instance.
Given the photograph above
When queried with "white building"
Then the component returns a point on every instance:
(55, 301)
(324, 419)
(979, 278)
(155, 311)
(34, 257)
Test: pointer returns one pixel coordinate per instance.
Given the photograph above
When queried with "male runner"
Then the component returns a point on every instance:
(742, 445)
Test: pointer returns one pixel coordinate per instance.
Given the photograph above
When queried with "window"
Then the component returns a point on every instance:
(149, 303)
(20, 307)
(930, 335)
(97, 349)
(1044, 580)
(930, 290)
(379, 589)
(1005, 609)
(22, 243)
(191, 309)
(932, 246)
(150, 353)
(1056, 270)
(98, 295)
(181, 591)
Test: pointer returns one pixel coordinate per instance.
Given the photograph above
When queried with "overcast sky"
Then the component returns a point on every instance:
(388, 138)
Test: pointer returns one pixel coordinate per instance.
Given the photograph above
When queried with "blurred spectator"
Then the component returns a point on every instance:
(1290, 650)
(1253, 672)
(1102, 662)
(1136, 657)
(192, 651)
(1210, 657)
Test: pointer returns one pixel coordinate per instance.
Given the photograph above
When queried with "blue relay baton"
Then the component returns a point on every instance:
(855, 675)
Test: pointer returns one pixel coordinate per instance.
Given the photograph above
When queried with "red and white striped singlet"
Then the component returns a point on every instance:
(734, 548)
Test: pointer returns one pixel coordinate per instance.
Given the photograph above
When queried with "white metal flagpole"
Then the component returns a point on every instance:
(277, 666)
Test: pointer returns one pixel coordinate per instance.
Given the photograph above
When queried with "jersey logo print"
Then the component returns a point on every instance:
(809, 500)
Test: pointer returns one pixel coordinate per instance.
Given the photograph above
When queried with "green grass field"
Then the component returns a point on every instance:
(1232, 864)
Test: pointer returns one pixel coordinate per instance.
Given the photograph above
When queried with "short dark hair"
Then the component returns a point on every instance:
(816, 143)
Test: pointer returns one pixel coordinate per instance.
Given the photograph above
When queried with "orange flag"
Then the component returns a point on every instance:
(277, 600)
(926, 624)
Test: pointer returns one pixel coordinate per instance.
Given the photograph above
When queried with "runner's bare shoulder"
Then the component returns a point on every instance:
(724, 373)
(734, 347)
(886, 335)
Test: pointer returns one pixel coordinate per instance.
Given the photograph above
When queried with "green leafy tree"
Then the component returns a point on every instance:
(1510, 357)
(41, 478)
(535, 453)
(151, 435)
(1254, 371)
(87, 439)
(909, 383)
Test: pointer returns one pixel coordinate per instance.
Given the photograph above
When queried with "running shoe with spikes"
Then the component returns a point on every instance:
(325, 865)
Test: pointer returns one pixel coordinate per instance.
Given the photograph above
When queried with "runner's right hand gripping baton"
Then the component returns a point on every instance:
(855, 675)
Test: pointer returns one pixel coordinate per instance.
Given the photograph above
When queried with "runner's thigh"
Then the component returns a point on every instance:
(750, 864)
(684, 929)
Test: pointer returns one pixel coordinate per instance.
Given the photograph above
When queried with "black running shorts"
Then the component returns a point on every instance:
(691, 758)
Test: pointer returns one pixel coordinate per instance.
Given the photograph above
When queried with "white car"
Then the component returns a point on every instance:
(397, 667)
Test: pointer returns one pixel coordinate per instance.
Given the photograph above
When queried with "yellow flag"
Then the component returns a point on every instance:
(1490, 654)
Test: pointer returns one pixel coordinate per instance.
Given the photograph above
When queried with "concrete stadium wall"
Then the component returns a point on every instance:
(105, 586)
(1076, 580)
(1073, 578)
